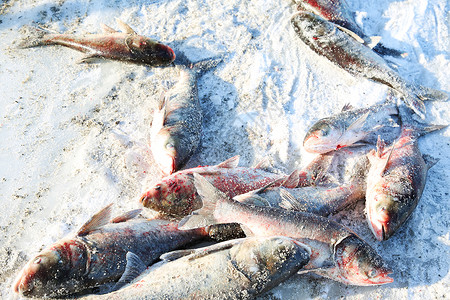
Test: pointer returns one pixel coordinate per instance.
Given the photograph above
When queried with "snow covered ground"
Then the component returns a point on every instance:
(74, 137)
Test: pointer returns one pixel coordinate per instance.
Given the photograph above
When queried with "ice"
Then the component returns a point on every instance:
(74, 137)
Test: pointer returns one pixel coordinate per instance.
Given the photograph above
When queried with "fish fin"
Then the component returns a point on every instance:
(325, 267)
(192, 254)
(347, 106)
(264, 163)
(429, 160)
(387, 159)
(358, 124)
(106, 29)
(125, 27)
(96, 221)
(426, 93)
(135, 266)
(160, 115)
(206, 64)
(380, 147)
(292, 180)
(416, 104)
(230, 163)
(91, 58)
(252, 198)
(34, 37)
(247, 230)
(210, 196)
(374, 40)
(288, 201)
(127, 216)
(350, 33)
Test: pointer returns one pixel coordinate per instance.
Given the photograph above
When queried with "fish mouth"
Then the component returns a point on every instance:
(23, 284)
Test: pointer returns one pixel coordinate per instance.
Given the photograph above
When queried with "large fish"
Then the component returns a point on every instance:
(336, 251)
(321, 200)
(396, 180)
(338, 12)
(176, 194)
(238, 269)
(177, 123)
(97, 253)
(327, 40)
(351, 126)
(125, 46)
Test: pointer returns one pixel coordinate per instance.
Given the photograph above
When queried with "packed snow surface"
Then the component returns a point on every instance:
(75, 137)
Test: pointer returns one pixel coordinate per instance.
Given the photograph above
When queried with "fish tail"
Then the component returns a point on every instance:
(418, 128)
(34, 37)
(211, 197)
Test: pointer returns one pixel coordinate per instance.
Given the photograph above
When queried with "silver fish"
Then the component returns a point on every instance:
(238, 269)
(326, 39)
(338, 252)
(338, 12)
(97, 253)
(177, 123)
(396, 181)
(351, 126)
(124, 46)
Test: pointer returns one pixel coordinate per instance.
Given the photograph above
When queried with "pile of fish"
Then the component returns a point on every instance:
(269, 225)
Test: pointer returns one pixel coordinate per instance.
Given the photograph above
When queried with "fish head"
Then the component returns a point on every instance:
(310, 27)
(164, 149)
(149, 51)
(322, 137)
(52, 271)
(266, 261)
(359, 264)
(387, 211)
(174, 195)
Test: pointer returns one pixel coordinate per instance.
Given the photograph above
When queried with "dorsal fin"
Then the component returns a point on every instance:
(127, 216)
(125, 27)
(264, 163)
(230, 163)
(347, 106)
(292, 180)
(135, 266)
(106, 29)
(96, 221)
(200, 252)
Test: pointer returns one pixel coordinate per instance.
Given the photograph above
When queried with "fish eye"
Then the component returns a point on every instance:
(37, 260)
(372, 273)
(325, 131)
(158, 187)
(170, 146)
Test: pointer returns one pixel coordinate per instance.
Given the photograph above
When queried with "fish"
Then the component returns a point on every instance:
(353, 127)
(96, 254)
(326, 39)
(322, 200)
(338, 12)
(176, 195)
(336, 251)
(237, 269)
(177, 123)
(111, 44)
(396, 180)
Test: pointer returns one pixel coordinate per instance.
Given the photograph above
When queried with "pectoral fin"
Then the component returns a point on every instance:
(125, 27)
(135, 266)
(96, 221)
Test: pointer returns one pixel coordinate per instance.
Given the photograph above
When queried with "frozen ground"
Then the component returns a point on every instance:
(74, 137)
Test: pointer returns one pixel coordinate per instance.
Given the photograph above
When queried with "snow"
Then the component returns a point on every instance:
(74, 137)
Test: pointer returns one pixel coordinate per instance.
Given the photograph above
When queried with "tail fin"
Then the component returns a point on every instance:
(34, 37)
(210, 196)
